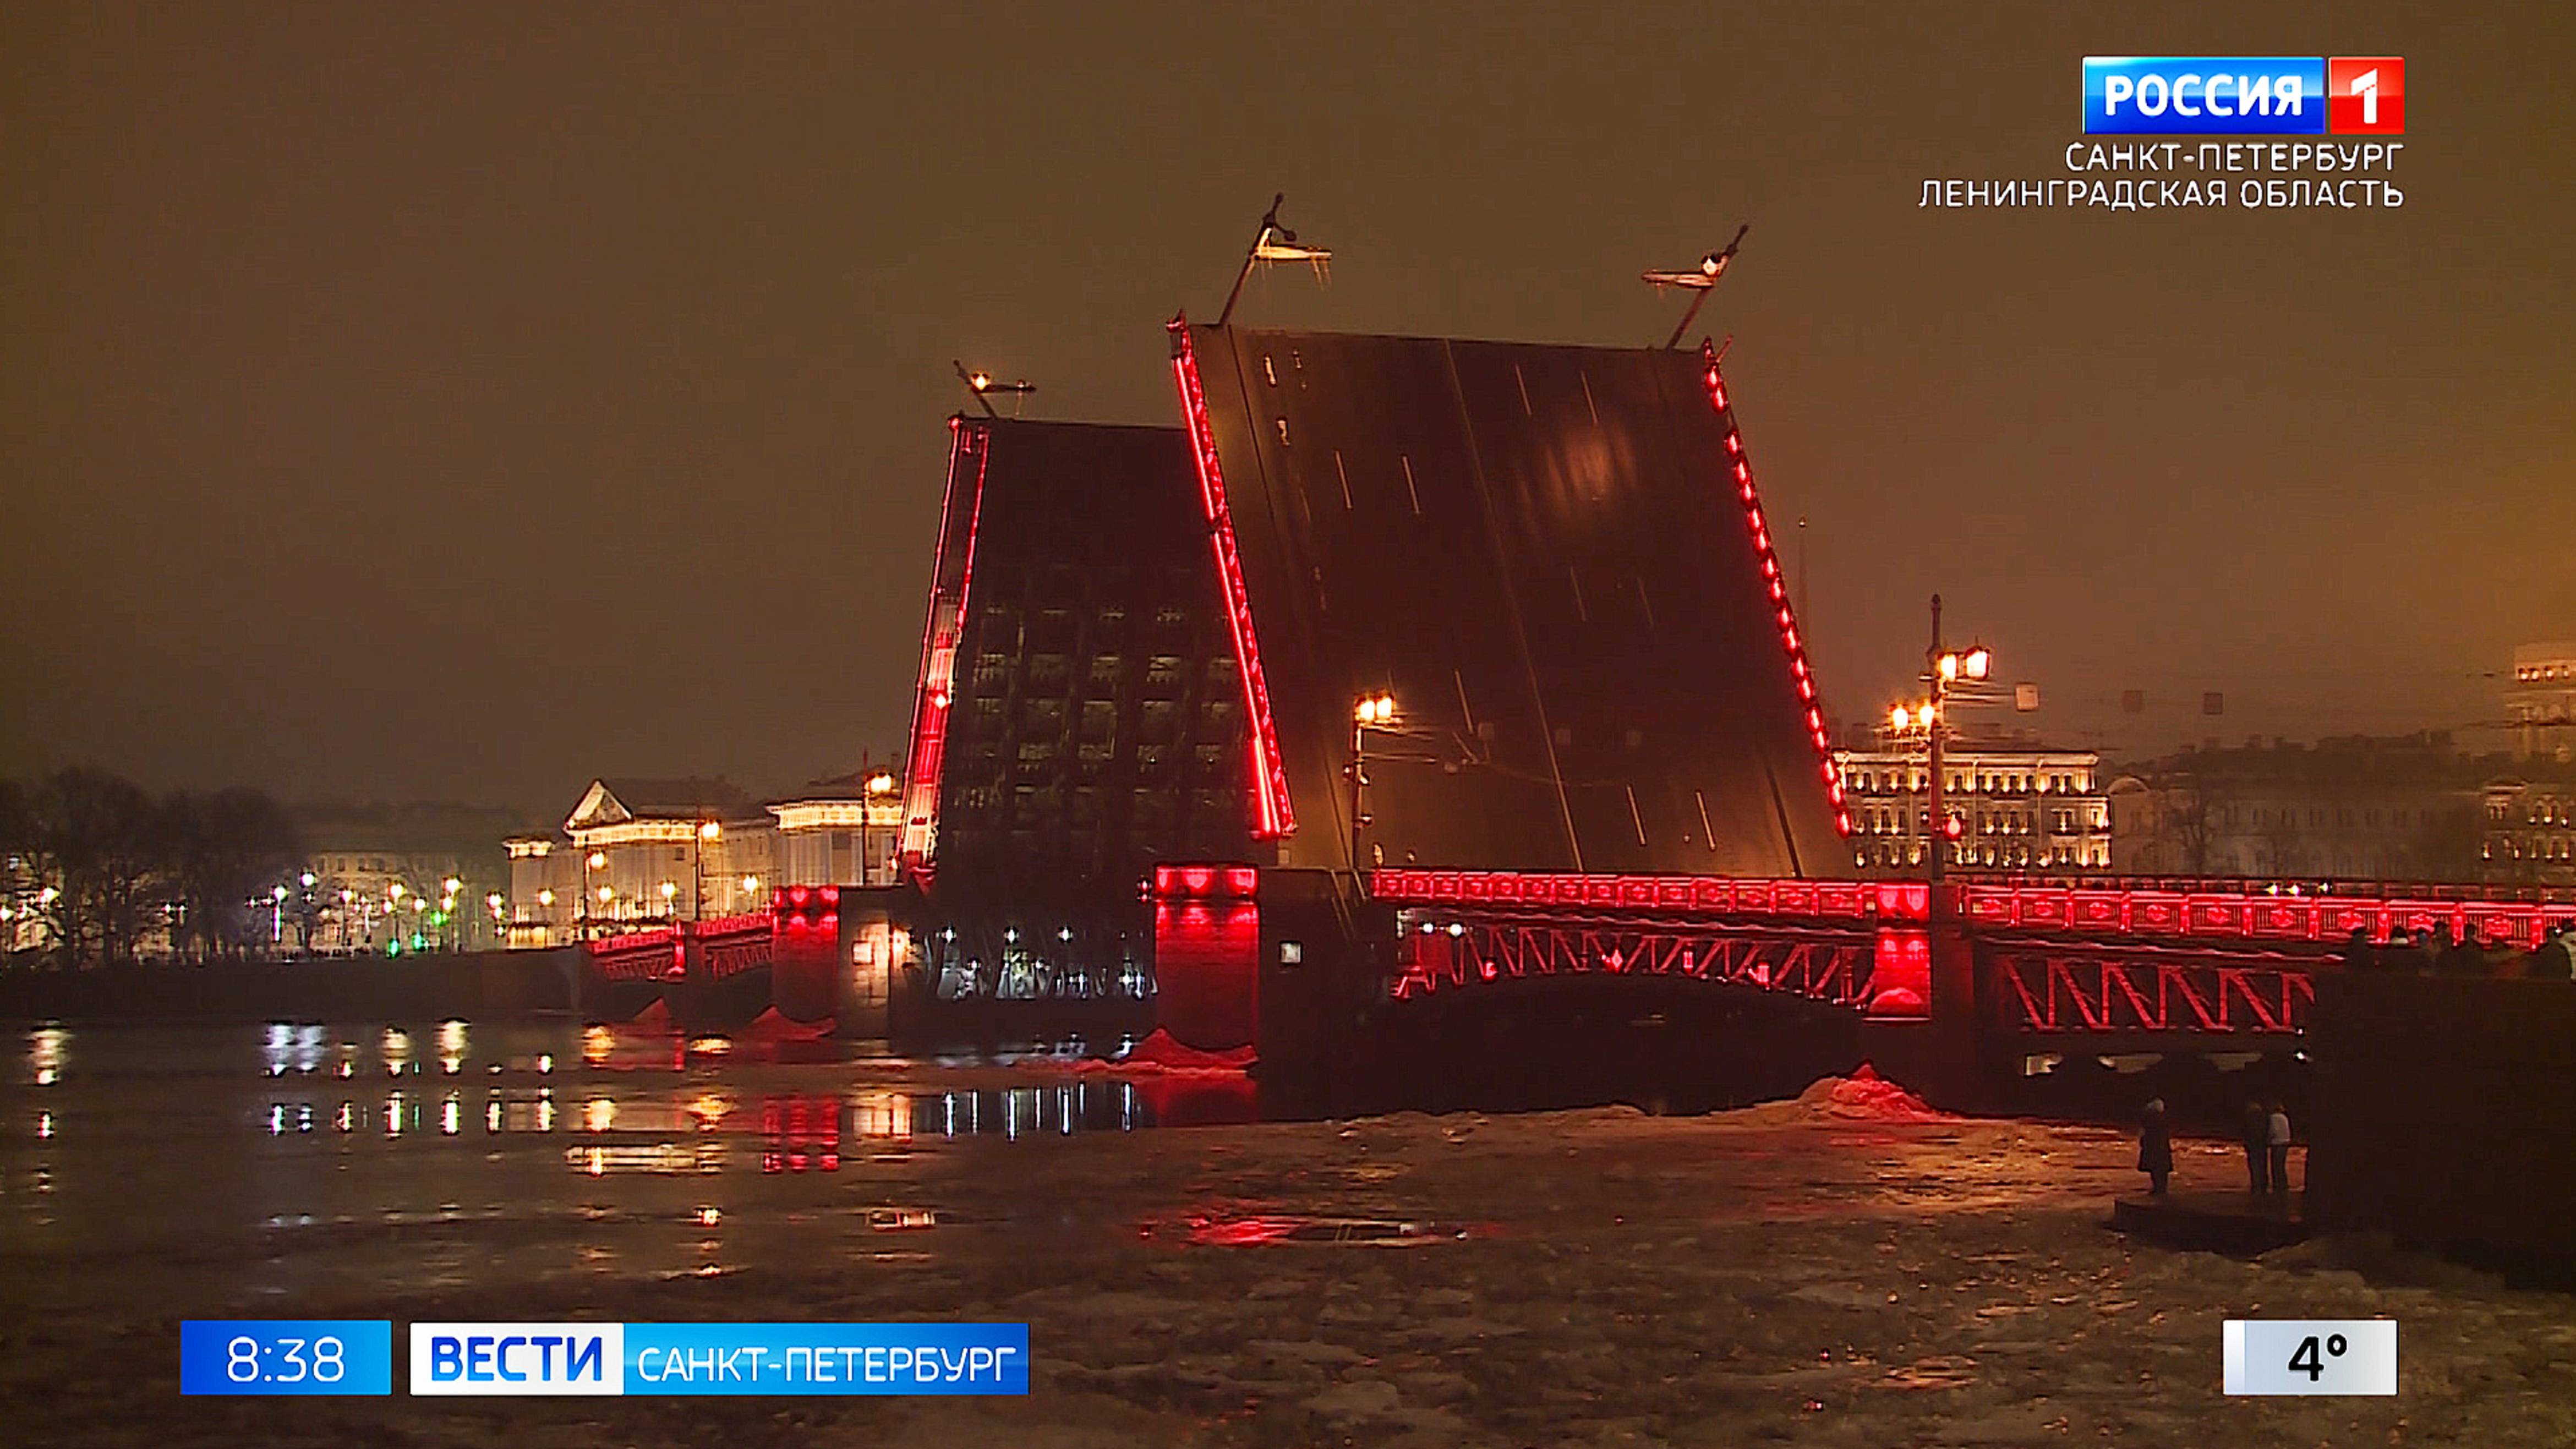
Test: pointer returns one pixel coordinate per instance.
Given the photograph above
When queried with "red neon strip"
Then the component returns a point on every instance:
(1272, 816)
(1790, 643)
(938, 676)
(2098, 912)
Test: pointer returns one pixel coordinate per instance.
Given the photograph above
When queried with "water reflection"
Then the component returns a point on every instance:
(45, 1051)
(806, 1107)
(805, 1128)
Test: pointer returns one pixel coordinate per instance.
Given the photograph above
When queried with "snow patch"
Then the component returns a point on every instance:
(1164, 1055)
(1865, 1095)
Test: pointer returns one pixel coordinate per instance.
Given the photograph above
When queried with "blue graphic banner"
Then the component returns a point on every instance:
(616, 1359)
(827, 1358)
(286, 1356)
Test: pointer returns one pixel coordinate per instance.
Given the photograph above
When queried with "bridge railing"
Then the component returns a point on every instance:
(2167, 908)
(729, 944)
(2462, 891)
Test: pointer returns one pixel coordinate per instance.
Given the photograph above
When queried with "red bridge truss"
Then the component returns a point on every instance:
(1838, 968)
(2079, 992)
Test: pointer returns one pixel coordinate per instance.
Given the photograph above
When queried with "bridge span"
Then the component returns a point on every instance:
(1953, 987)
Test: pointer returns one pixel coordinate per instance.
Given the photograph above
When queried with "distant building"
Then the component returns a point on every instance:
(380, 875)
(2020, 807)
(2540, 703)
(841, 831)
(638, 853)
(2530, 831)
(651, 851)
(2356, 808)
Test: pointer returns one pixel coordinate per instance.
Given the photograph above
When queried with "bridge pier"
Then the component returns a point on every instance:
(1939, 1057)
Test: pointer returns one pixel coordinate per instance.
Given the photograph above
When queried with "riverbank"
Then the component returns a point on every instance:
(1849, 1272)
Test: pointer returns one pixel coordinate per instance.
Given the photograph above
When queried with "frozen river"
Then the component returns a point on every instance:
(1833, 1272)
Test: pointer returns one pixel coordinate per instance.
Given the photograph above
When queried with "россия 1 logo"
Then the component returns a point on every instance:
(2244, 95)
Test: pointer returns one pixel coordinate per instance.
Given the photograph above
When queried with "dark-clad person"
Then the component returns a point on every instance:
(2357, 952)
(2554, 959)
(2155, 1147)
(2257, 1135)
(2277, 1145)
(2457, 958)
(2503, 960)
(2404, 955)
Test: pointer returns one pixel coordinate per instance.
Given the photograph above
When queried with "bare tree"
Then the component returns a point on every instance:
(224, 851)
(96, 839)
(2444, 844)
(2186, 810)
(2285, 845)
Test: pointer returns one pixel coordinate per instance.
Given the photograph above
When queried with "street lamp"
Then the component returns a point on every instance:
(1368, 712)
(1942, 669)
(1273, 243)
(981, 385)
(879, 786)
(670, 891)
(710, 832)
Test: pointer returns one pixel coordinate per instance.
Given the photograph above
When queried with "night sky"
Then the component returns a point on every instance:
(459, 401)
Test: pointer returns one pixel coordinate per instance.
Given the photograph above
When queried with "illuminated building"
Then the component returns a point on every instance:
(2022, 808)
(840, 831)
(634, 853)
(544, 895)
(2540, 703)
(2530, 834)
(642, 851)
(373, 864)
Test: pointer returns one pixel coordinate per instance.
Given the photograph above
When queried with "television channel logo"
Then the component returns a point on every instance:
(2244, 95)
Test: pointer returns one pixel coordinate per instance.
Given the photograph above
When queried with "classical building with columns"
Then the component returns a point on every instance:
(637, 853)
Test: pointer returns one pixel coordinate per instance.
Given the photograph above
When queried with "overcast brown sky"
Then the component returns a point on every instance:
(462, 400)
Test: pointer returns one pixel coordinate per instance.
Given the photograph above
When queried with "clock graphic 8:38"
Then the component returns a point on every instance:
(286, 1356)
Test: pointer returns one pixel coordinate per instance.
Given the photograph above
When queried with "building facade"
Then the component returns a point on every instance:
(2019, 807)
(2406, 808)
(379, 878)
(635, 854)
(841, 831)
(2540, 703)
(2530, 834)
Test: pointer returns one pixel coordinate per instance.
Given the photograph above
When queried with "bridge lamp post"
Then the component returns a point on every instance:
(1368, 712)
(709, 833)
(1942, 669)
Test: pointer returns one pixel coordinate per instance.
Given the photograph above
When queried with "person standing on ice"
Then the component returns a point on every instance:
(2278, 1142)
(2257, 1135)
(2155, 1147)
